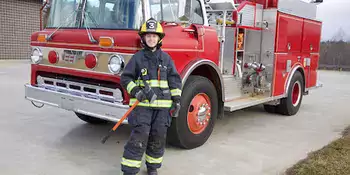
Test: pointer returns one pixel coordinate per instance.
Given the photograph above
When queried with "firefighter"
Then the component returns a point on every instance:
(150, 120)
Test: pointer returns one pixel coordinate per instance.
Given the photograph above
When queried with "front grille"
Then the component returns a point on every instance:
(83, 80)
(91, 90)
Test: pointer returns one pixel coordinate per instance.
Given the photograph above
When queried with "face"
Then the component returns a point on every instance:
(151, 39)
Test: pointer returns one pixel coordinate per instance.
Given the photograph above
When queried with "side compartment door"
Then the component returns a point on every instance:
(287, 49)
(289, 36)
(310, 49)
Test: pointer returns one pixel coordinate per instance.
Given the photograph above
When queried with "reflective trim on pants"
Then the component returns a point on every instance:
(150, 159)
(156, 103)
(175, 92)
(131, 163)
(130, 86)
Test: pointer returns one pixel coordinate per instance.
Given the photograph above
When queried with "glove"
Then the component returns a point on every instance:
(176, 107)
(137, 92)
(140, 96)
(176, 110)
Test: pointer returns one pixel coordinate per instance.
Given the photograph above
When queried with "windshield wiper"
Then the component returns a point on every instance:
(88, 30)
(49, 37)
(92, 19)
(91, 38)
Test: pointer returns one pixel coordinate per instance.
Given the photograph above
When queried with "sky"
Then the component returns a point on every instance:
(334, 14)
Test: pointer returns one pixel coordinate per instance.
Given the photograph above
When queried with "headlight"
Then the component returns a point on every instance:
(37, 56)
(116, 64)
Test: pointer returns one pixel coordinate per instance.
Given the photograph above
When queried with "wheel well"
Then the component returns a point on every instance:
(303, 75)
(210, 73)
(297, 69)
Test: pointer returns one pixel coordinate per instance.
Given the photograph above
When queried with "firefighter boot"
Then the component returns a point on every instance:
(152, 172)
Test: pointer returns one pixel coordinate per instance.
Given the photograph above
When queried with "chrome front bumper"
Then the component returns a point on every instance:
(91, 107)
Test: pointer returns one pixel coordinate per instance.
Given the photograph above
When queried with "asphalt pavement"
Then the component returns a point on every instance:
(52, 141)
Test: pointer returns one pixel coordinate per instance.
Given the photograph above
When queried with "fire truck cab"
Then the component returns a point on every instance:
(231, 54)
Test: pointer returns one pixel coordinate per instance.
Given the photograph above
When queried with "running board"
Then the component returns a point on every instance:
(245, 102)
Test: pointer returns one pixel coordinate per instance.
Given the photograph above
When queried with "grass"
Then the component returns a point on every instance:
(332, 159)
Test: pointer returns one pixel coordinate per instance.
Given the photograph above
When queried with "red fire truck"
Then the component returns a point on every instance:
(231, 54)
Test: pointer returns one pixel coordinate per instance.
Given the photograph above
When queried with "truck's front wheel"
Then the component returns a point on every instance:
(89, 119)
(199, 110)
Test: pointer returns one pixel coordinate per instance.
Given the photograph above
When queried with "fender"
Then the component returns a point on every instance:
(289, 79)
(186, 72)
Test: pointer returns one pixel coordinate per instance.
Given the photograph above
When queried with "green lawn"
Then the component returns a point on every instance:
(332, 159)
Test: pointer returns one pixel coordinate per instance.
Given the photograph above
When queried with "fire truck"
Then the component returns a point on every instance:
(231, 55)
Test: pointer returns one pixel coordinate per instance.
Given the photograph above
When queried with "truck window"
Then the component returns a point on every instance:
(173, 10)
(167, 10)
(196, 13)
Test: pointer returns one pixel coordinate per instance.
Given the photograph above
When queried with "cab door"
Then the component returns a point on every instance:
(181, 41)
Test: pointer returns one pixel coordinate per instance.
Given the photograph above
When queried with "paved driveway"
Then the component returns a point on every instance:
(50, 141)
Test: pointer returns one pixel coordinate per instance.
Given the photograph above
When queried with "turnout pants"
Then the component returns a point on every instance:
(149, 130)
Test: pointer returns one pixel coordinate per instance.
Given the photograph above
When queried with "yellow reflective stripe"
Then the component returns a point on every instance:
(150, 159)
(156, 103)
(154, 83)
(130, 86)
(175, 92)
(131, 163)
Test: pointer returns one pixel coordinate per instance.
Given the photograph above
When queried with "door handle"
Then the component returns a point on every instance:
(188, 30)
(171, 24)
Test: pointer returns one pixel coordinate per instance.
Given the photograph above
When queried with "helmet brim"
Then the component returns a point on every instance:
(161, 35)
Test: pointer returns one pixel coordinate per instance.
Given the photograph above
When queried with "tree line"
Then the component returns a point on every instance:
(335, 55)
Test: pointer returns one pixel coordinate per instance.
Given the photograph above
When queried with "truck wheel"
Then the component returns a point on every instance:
(290, 105)
(198, 113)
(89, 119)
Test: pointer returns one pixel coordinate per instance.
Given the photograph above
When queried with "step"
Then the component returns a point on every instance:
(245, 102)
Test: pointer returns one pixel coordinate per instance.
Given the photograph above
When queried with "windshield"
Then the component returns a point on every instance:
(98, 14)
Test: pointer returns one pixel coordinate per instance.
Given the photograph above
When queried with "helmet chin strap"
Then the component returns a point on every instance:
(146, 46)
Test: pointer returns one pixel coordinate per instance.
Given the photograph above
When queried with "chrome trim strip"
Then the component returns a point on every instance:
(55, 48)
(286, 86)
(252, 103)
(95, 108)
(80, 70)
(186, 72)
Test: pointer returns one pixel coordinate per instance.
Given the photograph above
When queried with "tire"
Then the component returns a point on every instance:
(185, 131)
(290, 105)
(270, 108)
(91, 120)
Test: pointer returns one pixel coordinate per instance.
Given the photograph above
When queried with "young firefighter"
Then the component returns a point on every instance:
(150, 120)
